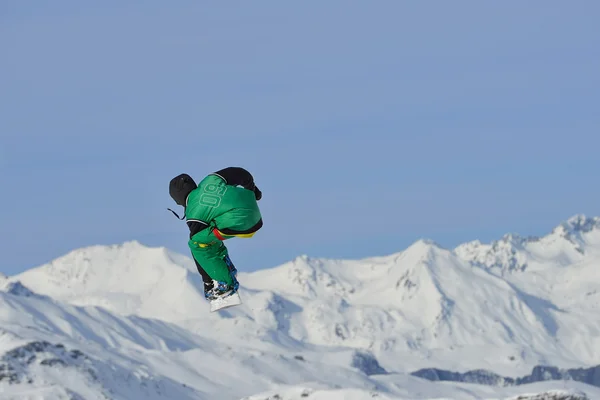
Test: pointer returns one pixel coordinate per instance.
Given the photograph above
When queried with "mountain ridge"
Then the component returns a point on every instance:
(376, 319)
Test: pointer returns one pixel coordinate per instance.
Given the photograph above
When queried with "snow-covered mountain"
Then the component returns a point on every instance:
(571, 242)
(136, 319)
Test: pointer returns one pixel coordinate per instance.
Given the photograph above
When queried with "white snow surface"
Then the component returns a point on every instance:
(130, 322)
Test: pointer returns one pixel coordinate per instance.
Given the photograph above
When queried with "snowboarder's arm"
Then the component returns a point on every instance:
(237, 176)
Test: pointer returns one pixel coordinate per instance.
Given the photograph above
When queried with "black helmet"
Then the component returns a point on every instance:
(180, 187)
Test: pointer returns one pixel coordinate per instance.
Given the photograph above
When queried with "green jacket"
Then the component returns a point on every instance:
(229, 207)
(222, 202)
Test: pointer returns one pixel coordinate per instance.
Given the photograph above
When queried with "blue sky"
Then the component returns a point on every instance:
(368, 125)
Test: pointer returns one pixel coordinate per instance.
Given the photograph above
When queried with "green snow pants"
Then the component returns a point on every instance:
(211, 256)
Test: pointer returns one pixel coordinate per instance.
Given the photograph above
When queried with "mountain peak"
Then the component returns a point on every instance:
(566, 242)
(422, 251)
(575, 230)
(427, 243)
(424, 246)
(123, 256)
(578, 223)
(503, 254)
(128, 278)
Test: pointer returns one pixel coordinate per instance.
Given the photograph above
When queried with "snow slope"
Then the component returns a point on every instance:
(362, 325)
(539, 391)
(127, 278)
(60, 349)
(57, 351)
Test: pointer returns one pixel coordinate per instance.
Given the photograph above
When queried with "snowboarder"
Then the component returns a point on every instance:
(222, 206)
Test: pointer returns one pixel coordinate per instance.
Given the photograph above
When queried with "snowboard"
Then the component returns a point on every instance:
(225, 302)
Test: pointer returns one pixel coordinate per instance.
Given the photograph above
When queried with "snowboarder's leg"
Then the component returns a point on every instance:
(208, 282)
(214, 261)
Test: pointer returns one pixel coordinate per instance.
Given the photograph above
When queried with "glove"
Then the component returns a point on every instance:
(257, 193)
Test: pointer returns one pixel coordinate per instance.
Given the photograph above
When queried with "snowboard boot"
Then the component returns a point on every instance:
(219, 290)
